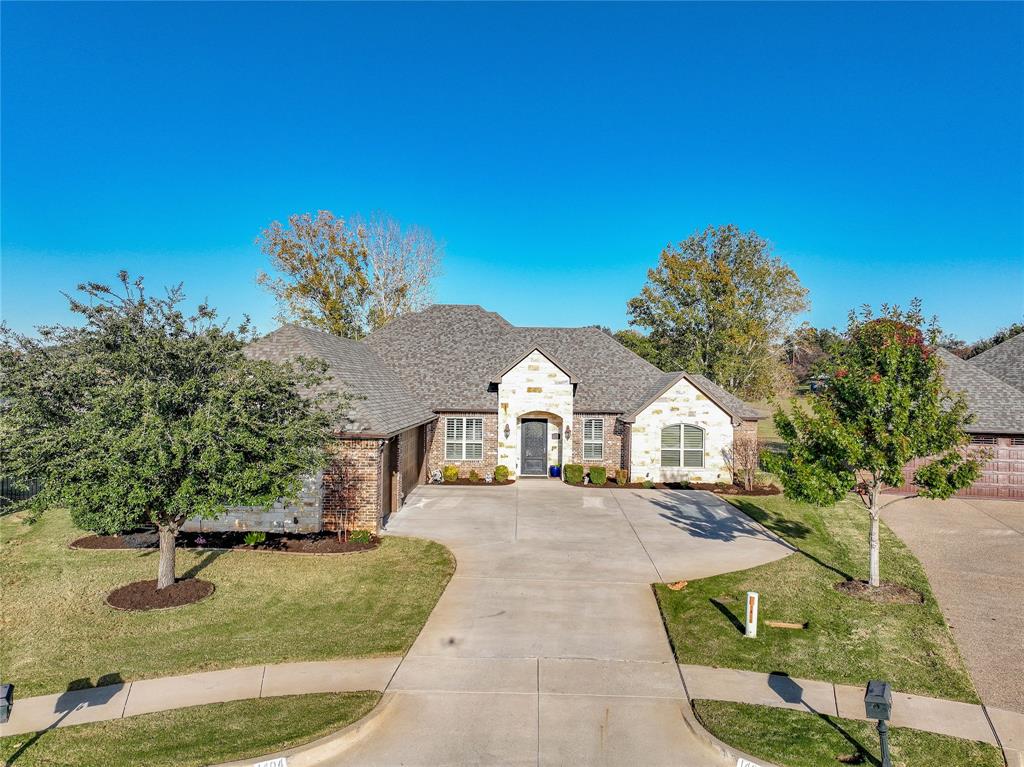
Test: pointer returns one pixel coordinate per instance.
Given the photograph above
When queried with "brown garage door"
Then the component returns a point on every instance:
(411, 453)
(1001, 477)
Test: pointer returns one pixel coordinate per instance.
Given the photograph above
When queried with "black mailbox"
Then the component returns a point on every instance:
(878, 700)
(6, 701)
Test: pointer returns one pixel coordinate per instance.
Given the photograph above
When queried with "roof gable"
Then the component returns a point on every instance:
(733, 406)
(997, 407)
(496, 379)
(1004, 361)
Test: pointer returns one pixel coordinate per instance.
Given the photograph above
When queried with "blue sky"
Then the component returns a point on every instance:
(555, 148)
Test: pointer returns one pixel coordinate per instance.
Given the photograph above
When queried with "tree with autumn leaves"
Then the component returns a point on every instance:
(884, 405)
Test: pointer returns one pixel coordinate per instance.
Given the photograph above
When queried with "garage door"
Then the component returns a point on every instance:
(411, 454)
(1001, 477)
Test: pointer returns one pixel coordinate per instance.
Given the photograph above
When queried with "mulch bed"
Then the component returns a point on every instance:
(143, 595)
(285, 543)
(468, 481)
(884, 594)
(719, 488)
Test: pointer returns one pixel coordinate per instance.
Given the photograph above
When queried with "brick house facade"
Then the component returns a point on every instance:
(459, 386)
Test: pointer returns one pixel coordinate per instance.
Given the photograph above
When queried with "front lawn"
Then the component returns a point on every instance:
(802, 739)
(847, 640)
(191, 737)
(58, 633)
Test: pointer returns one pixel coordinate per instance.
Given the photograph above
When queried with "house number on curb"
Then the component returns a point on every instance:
(282, 761)
(752, 614)
(741, 762)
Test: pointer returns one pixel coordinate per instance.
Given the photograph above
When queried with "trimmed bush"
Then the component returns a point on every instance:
(450, 473)
(473, 476)
(621, 476)
(573, 473)
(501, 473)
(648, 484)
(598, 475)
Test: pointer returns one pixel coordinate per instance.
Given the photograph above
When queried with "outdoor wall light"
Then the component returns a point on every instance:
(508, 431)
(568, 432)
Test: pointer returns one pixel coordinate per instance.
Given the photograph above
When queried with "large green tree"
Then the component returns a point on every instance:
(719, 303)
(884, 405)
(143, 414)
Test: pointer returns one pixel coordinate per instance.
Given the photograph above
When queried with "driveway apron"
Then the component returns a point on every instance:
(547, 647)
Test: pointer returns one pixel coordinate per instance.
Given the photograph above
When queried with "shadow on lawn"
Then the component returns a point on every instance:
(789, 691)
(788, 529)
(729, 614)
(80, 694)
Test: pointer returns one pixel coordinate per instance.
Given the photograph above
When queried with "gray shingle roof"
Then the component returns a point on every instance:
(998, 408)
(1005, 361)
(380, 405)
(447, 354)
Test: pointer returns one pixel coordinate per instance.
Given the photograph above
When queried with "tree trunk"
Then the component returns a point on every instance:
(165, 577)
(874, 544)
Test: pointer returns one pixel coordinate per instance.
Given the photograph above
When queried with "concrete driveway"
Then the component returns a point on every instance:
(547, 646)
(973, 553)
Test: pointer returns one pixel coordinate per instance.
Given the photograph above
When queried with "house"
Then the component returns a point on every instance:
(993, 385)
(458, 385)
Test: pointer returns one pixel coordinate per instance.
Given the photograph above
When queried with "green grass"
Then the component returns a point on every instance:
(58, 633)
(766, 428)
(802, 739)
(848, 640)
(190, 737)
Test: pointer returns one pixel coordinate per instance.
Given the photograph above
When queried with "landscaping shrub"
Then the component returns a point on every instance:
(648, 484)
(450, 473)
(501, 473)
(598, 475)
(621, 476)
(360, 536)
(573, 473)
(473, 476)
(254, 538)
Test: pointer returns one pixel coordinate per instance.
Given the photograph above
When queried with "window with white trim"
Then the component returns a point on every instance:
(593, 439)
(464, 439)
(682, 445)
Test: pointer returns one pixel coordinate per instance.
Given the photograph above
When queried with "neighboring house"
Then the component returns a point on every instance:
(993, 385)
(458, 385)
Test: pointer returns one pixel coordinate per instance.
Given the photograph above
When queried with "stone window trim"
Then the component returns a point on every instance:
(464, 438)
(682, 446)
(593, 439)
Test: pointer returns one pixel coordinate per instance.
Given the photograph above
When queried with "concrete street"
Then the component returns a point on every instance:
(973, 553)
(547, 647)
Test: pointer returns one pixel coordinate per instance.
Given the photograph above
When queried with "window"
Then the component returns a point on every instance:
(983, 439)
(464, 439)
(682, 445)
(1017, 441)
(593, 439)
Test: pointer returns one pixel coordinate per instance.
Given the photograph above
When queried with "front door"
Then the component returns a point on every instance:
(535, 447)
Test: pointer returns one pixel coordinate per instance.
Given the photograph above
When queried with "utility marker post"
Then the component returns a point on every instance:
(752, 600)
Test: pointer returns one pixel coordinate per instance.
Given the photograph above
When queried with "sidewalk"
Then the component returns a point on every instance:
(149, 695)
(1004, 729)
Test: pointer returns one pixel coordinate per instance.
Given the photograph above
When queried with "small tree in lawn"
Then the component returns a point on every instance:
(885, 404)
(144, 414)
(744, 458)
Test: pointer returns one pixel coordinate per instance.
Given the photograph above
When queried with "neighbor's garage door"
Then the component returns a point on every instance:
(1001, 477)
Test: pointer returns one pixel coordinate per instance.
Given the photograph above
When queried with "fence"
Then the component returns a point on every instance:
(11, 492)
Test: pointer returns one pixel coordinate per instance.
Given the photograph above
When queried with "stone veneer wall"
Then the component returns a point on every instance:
(682, 404)
(300, 515)
(435, 445)
(535, 387)
(615, 447)
(352, 485)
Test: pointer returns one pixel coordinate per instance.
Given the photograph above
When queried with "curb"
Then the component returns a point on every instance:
(720, 747)
(318, 751)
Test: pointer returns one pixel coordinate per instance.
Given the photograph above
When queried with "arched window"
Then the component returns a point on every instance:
(682, 445)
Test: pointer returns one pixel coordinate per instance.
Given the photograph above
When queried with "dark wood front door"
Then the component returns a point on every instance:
(535, 447)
